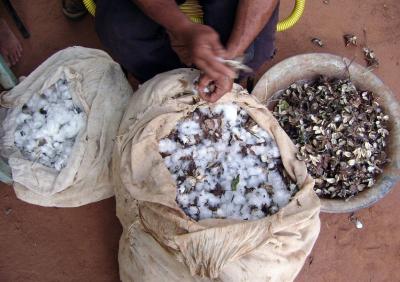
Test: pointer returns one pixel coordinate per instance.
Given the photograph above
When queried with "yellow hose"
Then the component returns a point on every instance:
(90, 6)
(294, 16)
(193, 10)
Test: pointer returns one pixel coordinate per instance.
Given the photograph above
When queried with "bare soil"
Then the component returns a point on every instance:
(81, 244)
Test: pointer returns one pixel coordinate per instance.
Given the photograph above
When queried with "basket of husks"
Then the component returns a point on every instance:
(345, 123)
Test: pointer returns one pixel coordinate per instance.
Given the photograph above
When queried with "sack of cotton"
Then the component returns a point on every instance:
(209, 192)
(60, 128)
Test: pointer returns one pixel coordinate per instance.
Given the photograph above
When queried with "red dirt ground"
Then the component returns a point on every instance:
(80, 244)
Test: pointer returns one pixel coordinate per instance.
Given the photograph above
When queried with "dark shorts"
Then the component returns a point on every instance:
(143, 47)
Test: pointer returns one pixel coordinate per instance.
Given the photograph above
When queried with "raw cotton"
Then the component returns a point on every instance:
(48, 125)
(69, 110)
(225, 165)
(159, 241)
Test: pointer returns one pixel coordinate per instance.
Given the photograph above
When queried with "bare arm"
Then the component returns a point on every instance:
(202, 41)
(166, 13)
(251, 17)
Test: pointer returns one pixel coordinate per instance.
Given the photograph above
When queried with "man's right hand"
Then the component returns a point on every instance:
(204, 49)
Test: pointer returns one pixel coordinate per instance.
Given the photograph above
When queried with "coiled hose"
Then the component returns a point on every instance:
(294, 17)
(90, 6)
(193, 10)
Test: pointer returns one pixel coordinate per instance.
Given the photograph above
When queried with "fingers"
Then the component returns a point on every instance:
(201, 87)
(208, 62)
(211, 73)
(204, 81)
(7, 60)
(19, 50)
(221, 86)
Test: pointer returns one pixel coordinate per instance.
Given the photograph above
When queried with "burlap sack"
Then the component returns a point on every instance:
(98, 87)
(159, 242)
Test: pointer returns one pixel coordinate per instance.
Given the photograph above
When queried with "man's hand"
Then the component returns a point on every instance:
(219, 86)
(201, 41)
(204, 49)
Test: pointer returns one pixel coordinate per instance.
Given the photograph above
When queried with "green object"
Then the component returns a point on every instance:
(283, 105)
(5, 172)
(235, 182)
(7, 78)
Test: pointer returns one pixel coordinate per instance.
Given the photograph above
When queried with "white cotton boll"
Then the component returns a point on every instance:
(21, 118)
(60, 115)
(218, 163)
(264, 198)
(67, 150)
(18, 139)
(181, 188)
(53, 97)
(205, 110)
(200, 186)
(69, 104)
(221, 212)
(183, 200)
(226, 136)
(59, 164)
(239, 199)
(220, 147)
(38, 121)
(30, 145)
(229, 110)
(265, 135)
(204, 213)
(167, 146)
(33, 101)
(207, 142)
(228, 208)
(49, 113)
(281, 197)
(51, 128)
(213, 201)
(257, 214)
(275, 179)
(227, 197)
(47, 150)
(47, 93)
(65, 94)
(254, 199)
(193, 197)
(259, 150)
(168, 162)
(26, 130)
(245, 212)
(273, 151)
(202, 199)
(72, 128)
(253, 181)
(193, 211)
(249, 161)
(189, 127)
(254, 171)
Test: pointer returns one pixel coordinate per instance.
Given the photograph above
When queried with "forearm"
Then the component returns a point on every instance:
(251, 17)
(164, 12)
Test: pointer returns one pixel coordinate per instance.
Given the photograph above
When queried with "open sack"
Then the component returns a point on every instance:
(159, 242)
(99, 87)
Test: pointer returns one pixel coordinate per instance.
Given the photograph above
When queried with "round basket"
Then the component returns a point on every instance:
(307, 67)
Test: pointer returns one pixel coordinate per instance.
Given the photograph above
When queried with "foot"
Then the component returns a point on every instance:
(73, 9)
(10, 47)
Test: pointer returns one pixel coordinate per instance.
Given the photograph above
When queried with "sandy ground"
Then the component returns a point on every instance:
(80, 244)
